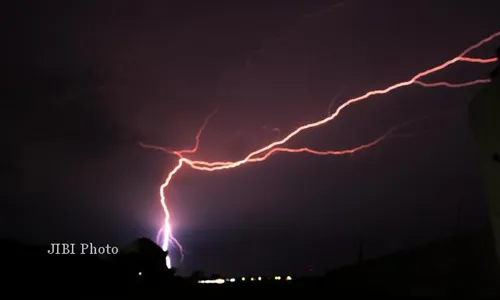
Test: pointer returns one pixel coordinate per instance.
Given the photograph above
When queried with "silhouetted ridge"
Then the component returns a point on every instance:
(143, 246)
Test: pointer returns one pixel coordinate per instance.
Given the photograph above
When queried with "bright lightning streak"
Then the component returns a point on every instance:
(460, 57)
(332, 103)
(263, 153)
(166, 230)
(188, 151)
(198, 135)
(477, 60)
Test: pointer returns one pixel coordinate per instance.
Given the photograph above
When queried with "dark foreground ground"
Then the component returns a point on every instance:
(461, 267)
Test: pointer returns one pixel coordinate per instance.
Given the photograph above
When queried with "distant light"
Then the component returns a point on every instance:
(140, 273)
(259, 278)
(289, 278)
(252, 279)
(232, 279)
(277, 277)
(214, 281)
(242, 278)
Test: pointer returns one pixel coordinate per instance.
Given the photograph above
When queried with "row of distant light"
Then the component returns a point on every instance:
(231, 280)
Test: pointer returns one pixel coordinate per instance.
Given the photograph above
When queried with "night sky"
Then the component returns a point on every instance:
(83, 82)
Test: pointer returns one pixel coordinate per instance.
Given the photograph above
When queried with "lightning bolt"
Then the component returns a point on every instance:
(165, 236)
(166, 230)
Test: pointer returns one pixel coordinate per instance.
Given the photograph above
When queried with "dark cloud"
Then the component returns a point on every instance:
(65, 111)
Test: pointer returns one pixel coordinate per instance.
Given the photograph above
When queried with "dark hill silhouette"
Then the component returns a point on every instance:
(465, 264)
(460, 266)
(144, 245)
(144, 259)
(120, 272)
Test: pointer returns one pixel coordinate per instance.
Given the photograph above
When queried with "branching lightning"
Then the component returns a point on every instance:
(165, 236)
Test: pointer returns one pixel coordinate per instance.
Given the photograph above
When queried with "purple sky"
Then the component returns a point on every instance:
(85, 82)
